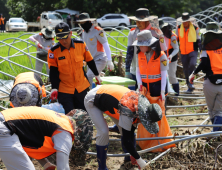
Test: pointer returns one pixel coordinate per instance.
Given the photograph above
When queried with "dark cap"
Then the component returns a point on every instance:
(62, 31)
(142, 14)
(85, 17)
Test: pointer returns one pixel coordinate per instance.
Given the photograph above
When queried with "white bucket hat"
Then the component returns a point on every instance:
(145, 38)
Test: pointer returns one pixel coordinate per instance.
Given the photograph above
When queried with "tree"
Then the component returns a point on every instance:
(4, 10)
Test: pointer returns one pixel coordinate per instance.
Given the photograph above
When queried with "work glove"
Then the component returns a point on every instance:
(191, 78)
(162, 95)
(49, 166)
(128, 75)
(99, 80)
(170, 57)
(139, 162)
(110, 65)
(38, 45)
(54, 94)
(140, 87)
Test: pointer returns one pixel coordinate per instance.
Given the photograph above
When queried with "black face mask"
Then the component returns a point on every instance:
(46, 38)
(86, 26)
(167, 31)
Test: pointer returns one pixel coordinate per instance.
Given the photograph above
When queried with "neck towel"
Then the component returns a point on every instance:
(192, 37)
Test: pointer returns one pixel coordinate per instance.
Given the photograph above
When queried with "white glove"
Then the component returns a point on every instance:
(191, 78)
(110, 65)
(162, 95)
(170, 57)
(141, 163)
(98, 79)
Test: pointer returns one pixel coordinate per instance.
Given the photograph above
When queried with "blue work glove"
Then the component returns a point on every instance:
(128, 75)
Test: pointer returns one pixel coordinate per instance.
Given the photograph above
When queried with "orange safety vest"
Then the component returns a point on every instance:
(215, 57)
(170, 48)
(150, 73)
(35, 127)
(1, 21)
(29, 77)
(107, 99)
(185, 46)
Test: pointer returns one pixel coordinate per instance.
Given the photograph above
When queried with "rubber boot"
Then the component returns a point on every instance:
(114, 128)
(176, 88)
(101, 156)
(127, 158)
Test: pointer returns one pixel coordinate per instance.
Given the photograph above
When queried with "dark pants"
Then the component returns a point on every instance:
(134, 78)
(216, 120)
(72, 101)
(2, 28)
(189, 63)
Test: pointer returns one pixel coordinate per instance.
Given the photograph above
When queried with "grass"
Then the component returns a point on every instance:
(29, 62)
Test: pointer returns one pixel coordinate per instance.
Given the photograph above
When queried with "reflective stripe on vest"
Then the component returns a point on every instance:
(28, 77)
(150, 72)
(215, 60)
(185, 46)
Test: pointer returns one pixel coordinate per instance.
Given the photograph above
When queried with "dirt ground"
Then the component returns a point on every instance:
(194, 154)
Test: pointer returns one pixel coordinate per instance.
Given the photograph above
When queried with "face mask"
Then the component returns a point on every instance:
(86, 26)
(46, 38)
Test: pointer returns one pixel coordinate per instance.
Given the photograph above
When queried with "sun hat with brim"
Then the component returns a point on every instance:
(149, 114)
(85, 17)
(48, 32)
(185, 17)
(162, 23)
(62, 30)
(135, 105)
(142, 14)
(212, 37)
(212, 27)
(24, 95)
(144, 38)
(83, 131)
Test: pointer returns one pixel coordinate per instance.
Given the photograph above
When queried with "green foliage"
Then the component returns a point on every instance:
(4, 10)
(97, 8)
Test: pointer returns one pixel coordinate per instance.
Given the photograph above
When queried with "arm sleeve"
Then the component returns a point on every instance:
(31, 38)
(129, 57)
(162, 43)
(130, 52)
(198, 33)
(62, 161)
(128, 143)
(92, 66)
(203, 62)
(175, 46)
(101, 36)
(87, 55)
(54, 77)
(164, 63)
(138, 76)
(107, 50)
(177, 32)
(163, 80)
